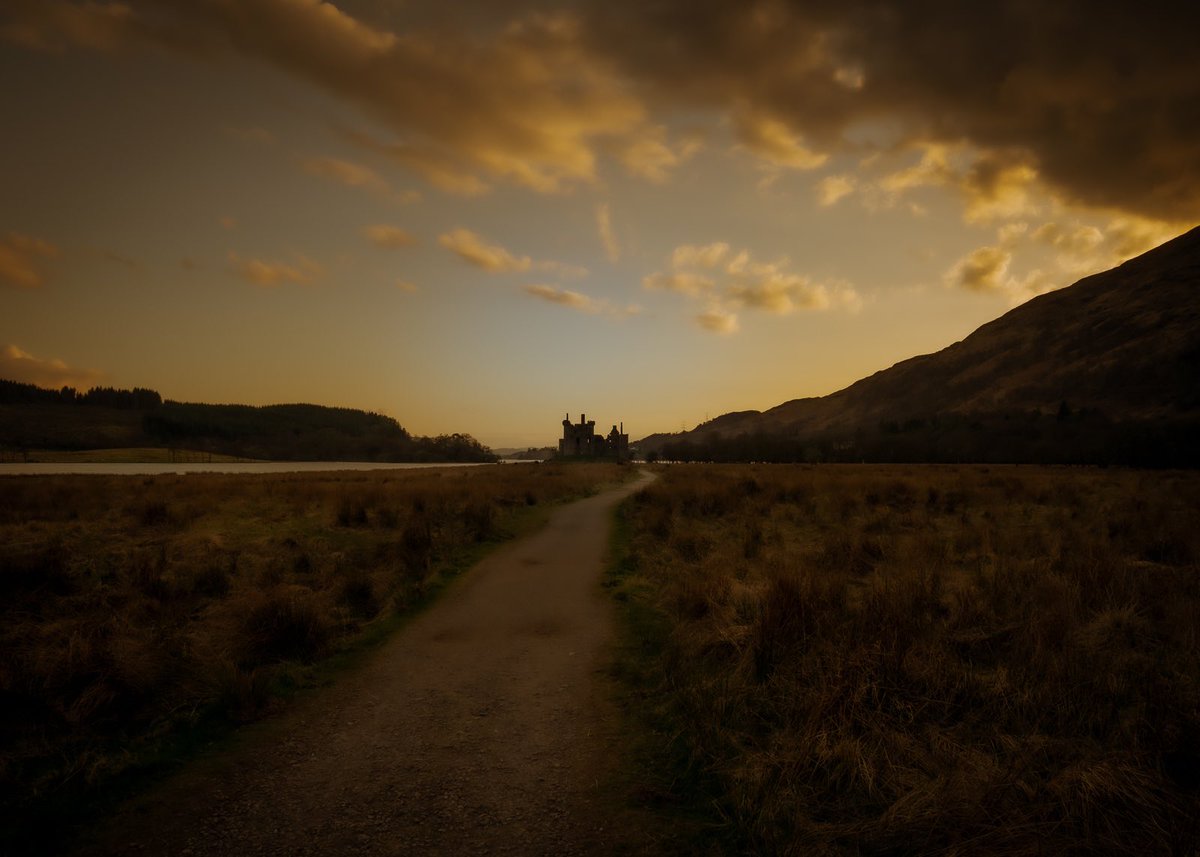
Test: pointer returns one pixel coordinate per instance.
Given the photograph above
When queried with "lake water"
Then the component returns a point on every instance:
(155, 469)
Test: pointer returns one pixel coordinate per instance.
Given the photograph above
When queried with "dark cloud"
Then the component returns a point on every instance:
(522, 104)
(1097, 101)
(54, 25)
(524, 101)
(1102, 99)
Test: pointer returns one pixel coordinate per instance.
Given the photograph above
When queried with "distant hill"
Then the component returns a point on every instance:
(1106, 370)
(103, 418)
(532, 453)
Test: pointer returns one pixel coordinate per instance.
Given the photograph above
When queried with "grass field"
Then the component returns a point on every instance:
(919, 660)
(138, 611)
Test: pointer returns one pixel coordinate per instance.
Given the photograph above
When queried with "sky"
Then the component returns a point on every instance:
(480, 217)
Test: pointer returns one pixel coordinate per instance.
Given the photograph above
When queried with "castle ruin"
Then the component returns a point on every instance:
(580, 440)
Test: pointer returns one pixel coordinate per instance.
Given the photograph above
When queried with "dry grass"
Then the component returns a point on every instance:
(136, 608)
(929, 660)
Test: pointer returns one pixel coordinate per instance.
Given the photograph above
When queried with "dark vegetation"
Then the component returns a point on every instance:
(1067, 436)
(32, 418)
(538, 453)
(137, 612)
(921, 660)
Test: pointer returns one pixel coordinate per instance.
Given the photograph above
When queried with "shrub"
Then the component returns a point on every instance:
(286, 623)
(479, 517)
(241, 694)
(358, 594)
(213, 580)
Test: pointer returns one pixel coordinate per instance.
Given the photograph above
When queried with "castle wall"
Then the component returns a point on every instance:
(580, 440)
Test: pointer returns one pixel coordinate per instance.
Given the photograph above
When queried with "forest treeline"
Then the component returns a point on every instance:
(137, 399)
(1071, 436)
(32, 417)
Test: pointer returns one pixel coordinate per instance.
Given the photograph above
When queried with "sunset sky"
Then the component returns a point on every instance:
(478, 216)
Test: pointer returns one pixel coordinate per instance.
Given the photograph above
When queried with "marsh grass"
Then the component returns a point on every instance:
(917, 660)
(137, 611)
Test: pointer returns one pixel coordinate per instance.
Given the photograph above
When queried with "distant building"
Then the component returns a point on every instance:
(580, 440)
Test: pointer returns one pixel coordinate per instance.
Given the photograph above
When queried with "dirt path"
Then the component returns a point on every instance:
(482, 727)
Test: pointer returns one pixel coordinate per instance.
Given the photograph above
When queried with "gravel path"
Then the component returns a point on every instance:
(482, 727)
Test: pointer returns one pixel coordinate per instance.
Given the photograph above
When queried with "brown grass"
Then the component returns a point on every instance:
(133, 609)
(929, 660)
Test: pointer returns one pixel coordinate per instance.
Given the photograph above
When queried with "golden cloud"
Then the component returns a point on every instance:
(772, 140)
(1128, 236)
(347, 173)
(529, 103)
(442, 171)
(561, 269)
(649, 154)
(993, 186)
(1099, 109)
(933, 168)
(997, 188)
(779, 294)
(475, 251)
(21, 258)
(533, 98)
(273, 274)
(699, 255)
(564, 297)
(1036, 282)
(17, 364)
(604, 225)
(984, 269)
(692, 285)
(525, 104)
(391, 237)
(833, 188)
(579, 301)
(726, 283)
(1079, 248)
(718, 320)
(1075, 239)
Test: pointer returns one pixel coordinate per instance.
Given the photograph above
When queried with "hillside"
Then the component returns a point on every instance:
(34, 418)
(1110, 360)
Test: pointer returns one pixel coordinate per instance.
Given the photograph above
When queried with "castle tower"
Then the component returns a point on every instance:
(580, 440)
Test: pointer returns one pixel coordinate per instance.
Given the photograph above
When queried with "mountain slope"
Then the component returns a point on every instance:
(1123, 345)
